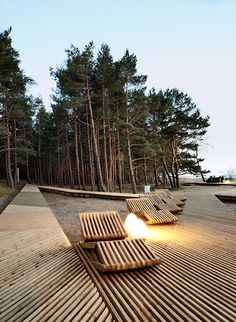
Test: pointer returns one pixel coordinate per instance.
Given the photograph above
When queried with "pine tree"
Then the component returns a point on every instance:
(12, 89)
(104, 87)
(179, 127)
(131, 83)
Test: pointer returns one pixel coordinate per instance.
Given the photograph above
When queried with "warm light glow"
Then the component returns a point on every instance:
(227, 181)
(159, 233)
(66, 241)
(135, 227)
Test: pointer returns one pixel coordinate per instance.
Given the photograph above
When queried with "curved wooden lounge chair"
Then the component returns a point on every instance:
(143, 208)
(103, 238)
(161, 205)
(167, 197)
(176, 195)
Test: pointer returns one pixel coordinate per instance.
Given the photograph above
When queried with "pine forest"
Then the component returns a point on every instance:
(105, 130)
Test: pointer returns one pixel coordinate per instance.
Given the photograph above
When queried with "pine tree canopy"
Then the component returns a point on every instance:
(103, 131)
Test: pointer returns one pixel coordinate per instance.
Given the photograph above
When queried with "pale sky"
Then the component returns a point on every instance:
(186, 44)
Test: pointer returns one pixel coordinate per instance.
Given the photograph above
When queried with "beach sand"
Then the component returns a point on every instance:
(66, 210)
(231, 205)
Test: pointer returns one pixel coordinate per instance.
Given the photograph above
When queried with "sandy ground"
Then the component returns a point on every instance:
(231, 205)
(66, 210)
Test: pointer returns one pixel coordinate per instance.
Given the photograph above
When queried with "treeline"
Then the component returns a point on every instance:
(103, 131)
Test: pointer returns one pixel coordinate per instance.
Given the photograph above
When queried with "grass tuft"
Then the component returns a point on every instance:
(4, 190)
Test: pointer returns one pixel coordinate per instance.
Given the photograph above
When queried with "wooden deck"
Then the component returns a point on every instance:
(43, 280)
(91, 194)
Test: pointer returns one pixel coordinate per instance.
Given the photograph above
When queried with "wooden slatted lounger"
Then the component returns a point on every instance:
(103, 237)
(143, 208)
(177, 195)
(168, 198)
(161, 205)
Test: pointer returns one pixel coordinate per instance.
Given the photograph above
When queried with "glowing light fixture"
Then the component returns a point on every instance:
(135, 227)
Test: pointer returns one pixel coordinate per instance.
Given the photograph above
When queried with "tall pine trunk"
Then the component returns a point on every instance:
(145, 169)
(59, 166)
(100, 183)
(90, 156)
(27, 156)
(166, 171)
(39, 156)
(118, 158)
(128, 141)
(112, 184)
(131, 169)
(81, 158)
(69, 167)
(77, 152)
(105, 141)
(15, 156)
(10, 181)
(155, 174)
(175, 162)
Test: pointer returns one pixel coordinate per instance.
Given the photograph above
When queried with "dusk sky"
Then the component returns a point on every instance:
(186, 44)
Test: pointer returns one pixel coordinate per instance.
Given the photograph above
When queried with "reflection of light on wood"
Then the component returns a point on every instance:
(66, 241)
(157, 234)
(135, 227)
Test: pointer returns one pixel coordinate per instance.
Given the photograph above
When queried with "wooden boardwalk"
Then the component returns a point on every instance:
(91, 194)
(43, 280)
